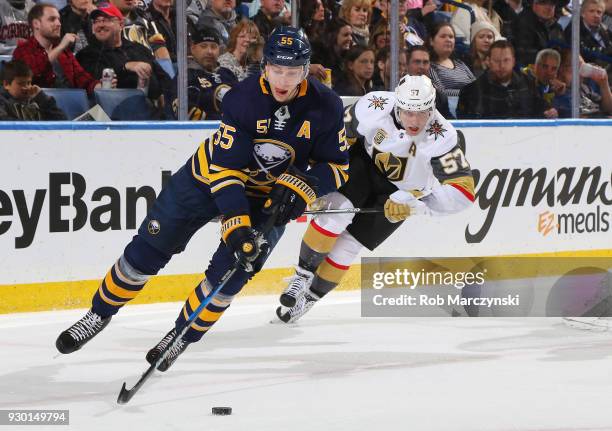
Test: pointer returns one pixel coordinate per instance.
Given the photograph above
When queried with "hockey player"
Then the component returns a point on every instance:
(405, 150)
(274, 128)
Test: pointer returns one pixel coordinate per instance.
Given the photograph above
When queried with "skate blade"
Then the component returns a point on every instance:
(281, 310)
(277, 321)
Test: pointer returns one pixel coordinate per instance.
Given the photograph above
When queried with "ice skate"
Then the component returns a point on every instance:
(75, 337)
(175, 352)
(303, 305)
(301, 280)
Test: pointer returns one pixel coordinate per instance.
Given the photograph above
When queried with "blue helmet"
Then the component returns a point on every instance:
(287, 46)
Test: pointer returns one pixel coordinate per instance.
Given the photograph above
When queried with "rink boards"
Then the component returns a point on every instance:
(72, 195)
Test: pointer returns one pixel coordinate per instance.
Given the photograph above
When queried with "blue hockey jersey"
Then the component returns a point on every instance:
(259, 138)
(205, 91)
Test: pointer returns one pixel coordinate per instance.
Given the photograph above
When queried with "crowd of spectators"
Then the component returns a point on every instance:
(488, 58)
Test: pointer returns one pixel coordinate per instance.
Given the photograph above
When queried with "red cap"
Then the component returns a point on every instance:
(107, 9)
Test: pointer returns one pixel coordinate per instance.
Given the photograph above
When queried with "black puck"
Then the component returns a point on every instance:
(221, 411)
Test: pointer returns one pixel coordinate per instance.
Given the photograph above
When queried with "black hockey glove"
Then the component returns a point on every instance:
(290, 195)
(248, 245)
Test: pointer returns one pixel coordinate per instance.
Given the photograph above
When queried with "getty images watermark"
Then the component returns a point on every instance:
(405, 278)
(489, 286)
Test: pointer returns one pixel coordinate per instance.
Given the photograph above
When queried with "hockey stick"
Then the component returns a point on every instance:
(345, 211)
(356, 210)
(125, 395)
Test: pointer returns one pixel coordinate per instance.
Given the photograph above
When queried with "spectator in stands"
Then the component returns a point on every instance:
(500, 92)
(419, 63)
(22, 101)
(48, 54)
(332, 10)
(595, 38)
(221, 15)
(163, 18)
(447, 73)
(607, 18)
(535, 29)
(462, 20)
(205, 88)
(312, 19)
(483, 36)
(357, 13)
(359, 69)
(75, 19)
(412, 30)
(133, 64)
(508, 11)
(424, 14)
(331, 51)
(595, 95)
(195, 8)
(381, 81)
(379, 11)
(271, 14)
(543, 76)
(380, 37)
(14, 25)
(254, 56)
(235, 58)
(205, 49)
(140, 28)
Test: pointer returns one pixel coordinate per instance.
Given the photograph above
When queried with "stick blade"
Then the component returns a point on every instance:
(124, 396)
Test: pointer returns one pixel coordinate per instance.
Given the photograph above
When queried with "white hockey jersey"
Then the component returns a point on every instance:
(431, 162)
(13, 24)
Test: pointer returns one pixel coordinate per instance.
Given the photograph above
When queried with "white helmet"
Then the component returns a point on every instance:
(415, 93)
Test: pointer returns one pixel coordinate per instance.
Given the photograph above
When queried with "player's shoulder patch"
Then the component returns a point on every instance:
(372, 107)
(436, 129)
(442, 133)
(376, 102)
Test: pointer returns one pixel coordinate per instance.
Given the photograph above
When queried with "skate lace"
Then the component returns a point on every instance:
(88, 325)
(297, 284)
(175, 350)
(302, 307)
(165, 341)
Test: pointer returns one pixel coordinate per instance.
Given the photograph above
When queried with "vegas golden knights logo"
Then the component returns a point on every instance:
(392, 166)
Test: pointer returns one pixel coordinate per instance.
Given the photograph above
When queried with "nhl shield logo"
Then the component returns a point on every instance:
(380, 136)
(154, 227)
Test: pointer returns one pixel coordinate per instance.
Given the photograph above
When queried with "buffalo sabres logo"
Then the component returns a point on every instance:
(436, 129)
(272, 157)
(154, 227)
(377, 102)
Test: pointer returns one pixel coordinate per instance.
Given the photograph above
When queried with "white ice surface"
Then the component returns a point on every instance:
(332, 371)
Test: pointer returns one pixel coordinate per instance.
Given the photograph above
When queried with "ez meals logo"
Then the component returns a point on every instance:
(571, 223)
(502, 188)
